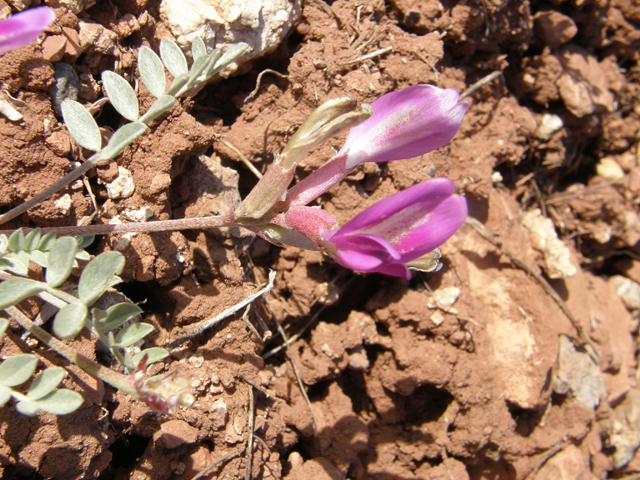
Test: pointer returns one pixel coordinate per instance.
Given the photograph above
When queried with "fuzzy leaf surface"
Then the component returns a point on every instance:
(60, 262)
(17, 369)
(173, 58)
(99, 275)
(154, 354)
(122, 138)
(121, 95)
(152, 72)
(46, 382)
(81, 125)
(69, 320)
(17, 289)
(5, 395)
(117, 315)
(133, 333)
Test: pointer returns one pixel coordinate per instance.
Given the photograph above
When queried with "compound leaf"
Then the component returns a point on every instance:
(32, 239)
(16, 241)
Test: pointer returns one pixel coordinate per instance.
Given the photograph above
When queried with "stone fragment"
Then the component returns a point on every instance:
(578, 375)
(65, 86)
(94, 37)
(608, 168)
(64, 204)
(140, 215)
(196, 361)
(624, 432)
(126, 25)
(628, 290)
(549, 125)
(121, 187)
(629, 267)
(218, 413)
(221, 24)
(554, 28)
(444, 298)
(177, 432)
(557, 256)
(53, 47)
(72, 47)
(583, 85)
(59, 143)
(568, 464)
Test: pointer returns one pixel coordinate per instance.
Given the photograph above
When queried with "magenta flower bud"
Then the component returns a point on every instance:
(398, 229)
(24, 27)
(405, 124)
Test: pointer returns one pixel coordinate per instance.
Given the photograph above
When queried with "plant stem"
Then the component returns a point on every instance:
(94, 369)
(142, 227)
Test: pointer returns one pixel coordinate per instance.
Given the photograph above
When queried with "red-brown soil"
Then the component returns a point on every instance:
(451, 375)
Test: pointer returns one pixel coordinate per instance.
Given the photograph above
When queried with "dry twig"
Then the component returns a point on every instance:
(545, 458)
(222, 459)
(207, 324)
(243, 159)
(252, 417)
(368, 56)
(479, 84)
(255, 90)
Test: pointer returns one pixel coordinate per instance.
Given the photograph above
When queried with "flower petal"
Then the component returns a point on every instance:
(364, 253)
(405, 124)
(23, 28)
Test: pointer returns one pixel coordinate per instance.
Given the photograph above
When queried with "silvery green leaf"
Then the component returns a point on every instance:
(32, 240)
(82, 256)
(211, 63)
(99, 275)
(121, 95)
(17, 369)
(177, 84)
(16, 264)
(16, 241)
(173, 58)
(122, 138)
(60, 402)
(152, 72)
(117, 315)
(39, 258)
(161, 105)
(17, 289)
(229, 56)
(69, 320)
(5, 395)
(198, 48)
(46, 382)
(28, 408)
(47, 241)
(4, 323)
(60, 262)
(81, 125)
(4, 243)
(133, 333)
(84, 241)
(154, 354)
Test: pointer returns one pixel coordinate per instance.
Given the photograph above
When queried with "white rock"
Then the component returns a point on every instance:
(122, 186)
(74, 6)
(578, 374)
(223, 23)
(64, 204)
(624, 432)
(628, 290)
(608, 168)
(444, 298)
(549, 125)
(557, 256)
(140, 215)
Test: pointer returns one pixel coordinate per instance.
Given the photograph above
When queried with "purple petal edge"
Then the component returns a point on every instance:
(24, 27)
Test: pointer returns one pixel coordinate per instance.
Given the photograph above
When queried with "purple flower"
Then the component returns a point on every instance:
(24, 27)
(398, 229)
(405, 124)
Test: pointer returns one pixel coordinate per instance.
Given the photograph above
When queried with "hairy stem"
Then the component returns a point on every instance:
(142, 227)
(94, 369)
